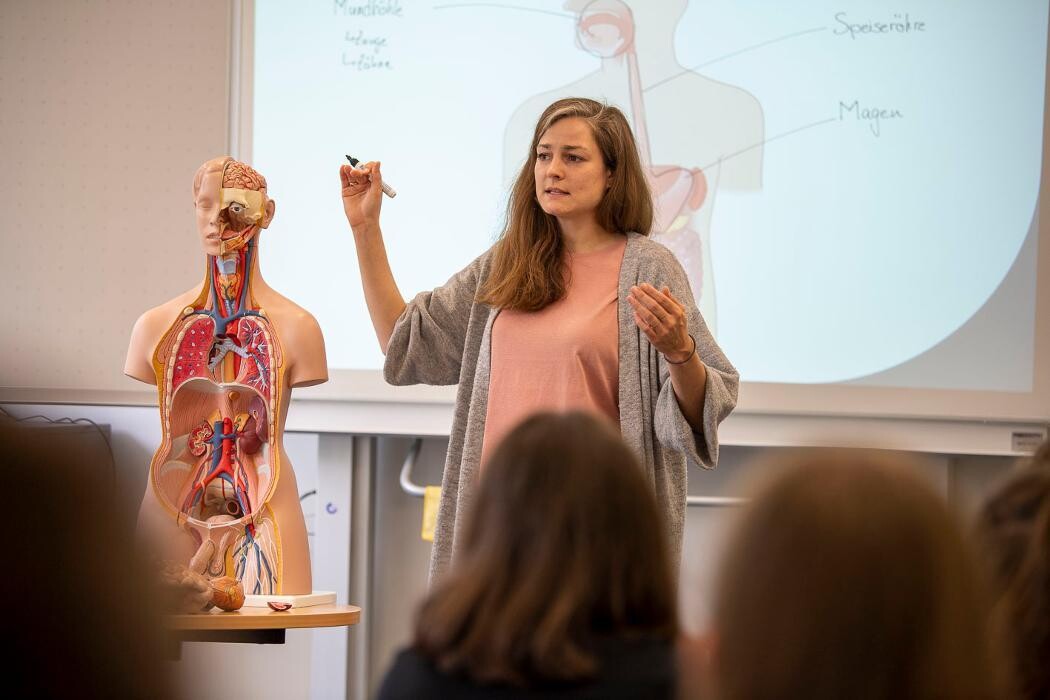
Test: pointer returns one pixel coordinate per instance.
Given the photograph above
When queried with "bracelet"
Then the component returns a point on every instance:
(691, 353)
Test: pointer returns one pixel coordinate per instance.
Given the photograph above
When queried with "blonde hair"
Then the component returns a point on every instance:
(527, 263)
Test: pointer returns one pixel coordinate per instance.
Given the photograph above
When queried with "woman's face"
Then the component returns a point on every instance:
(571, 177)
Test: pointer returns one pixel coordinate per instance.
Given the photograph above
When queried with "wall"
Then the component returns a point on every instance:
(108, 108)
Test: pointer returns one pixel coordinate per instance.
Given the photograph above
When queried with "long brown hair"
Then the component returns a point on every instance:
(848, 577)
(527, 270)
(1014, 531)
(565, 546)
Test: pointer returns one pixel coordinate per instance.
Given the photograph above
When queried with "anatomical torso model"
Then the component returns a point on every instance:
(222, 498)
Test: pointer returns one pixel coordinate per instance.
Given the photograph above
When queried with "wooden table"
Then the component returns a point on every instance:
(255, 625)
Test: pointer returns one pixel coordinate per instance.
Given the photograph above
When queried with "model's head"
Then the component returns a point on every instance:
(231, 202)
(606, 28)
(582, 166)
(1013, 528)
(847, 576)
(565, 545)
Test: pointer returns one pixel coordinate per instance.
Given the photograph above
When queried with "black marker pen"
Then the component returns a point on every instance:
(387, 189)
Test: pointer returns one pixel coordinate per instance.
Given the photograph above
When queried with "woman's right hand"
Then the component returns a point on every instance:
(362, 195)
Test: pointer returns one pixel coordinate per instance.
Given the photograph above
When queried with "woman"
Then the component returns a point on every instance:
(1014, 530)
(847, 577)
(560, 589)
(573, 308)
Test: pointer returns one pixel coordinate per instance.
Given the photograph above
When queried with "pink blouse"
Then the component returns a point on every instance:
(562, 357)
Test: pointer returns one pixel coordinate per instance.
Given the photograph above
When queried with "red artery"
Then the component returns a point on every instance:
(223, 462)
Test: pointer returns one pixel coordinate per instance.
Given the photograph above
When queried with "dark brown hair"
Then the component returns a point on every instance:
(847, 577)
(527, 272)
(1013, 529)
(76, 591)
(565, 546)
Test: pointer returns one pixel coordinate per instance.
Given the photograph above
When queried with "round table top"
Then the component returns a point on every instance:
(266, 619)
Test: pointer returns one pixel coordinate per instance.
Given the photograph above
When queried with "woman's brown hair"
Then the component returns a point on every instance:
(848, 577)
(527, 272)
(1013, 528)
(565, 546)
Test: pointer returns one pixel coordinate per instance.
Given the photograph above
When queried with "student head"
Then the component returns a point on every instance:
(1014, 533)
(565, 546)
(78, 599)
(847, 577)
(582, 165)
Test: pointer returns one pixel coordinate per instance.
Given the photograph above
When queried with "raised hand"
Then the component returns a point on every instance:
(362, 194)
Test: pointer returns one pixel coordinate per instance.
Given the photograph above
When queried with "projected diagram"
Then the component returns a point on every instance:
(682, 147)
(824, 208)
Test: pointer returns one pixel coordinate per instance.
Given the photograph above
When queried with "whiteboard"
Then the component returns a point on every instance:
(868, 237)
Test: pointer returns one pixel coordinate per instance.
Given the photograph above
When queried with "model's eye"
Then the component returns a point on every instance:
(236, 207)
(573, 158)
(543, 156)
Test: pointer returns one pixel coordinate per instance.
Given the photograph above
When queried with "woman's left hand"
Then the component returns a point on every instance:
(659, 315)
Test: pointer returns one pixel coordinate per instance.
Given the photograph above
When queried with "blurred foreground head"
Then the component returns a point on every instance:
(1013, 529)
(847, 577)
(565, 547)
(76, 596)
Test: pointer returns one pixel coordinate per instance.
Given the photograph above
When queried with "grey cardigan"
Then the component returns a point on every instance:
(443, 337)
